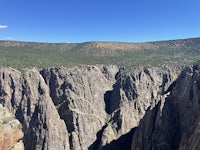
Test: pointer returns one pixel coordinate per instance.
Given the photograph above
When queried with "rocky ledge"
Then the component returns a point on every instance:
(10, 131)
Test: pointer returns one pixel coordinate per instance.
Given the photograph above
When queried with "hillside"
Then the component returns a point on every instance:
(30, 54)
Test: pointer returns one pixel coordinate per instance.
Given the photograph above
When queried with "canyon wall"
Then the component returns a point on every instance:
(175, 123)
(85, 107)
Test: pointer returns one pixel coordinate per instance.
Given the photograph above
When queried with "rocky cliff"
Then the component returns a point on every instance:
(174, 123)
(59, 108)
(27, 96)
(78, 95)
(131, 96)
(85, 107)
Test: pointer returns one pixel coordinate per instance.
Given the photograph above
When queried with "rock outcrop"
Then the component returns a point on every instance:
(27, 96)
(78, 95)
(131, 96)
(173, 124)
(85, 107)
(10, 131)
(59, 108)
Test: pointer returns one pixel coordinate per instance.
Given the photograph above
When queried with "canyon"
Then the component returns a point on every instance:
(100, 106)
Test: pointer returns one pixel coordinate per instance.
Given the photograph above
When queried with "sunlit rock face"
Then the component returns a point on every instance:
(10, 131)
(175, 123)
(27, 96)
(132, 95)
(85, 107)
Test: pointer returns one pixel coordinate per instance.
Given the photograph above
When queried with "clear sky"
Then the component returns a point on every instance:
(98, 20)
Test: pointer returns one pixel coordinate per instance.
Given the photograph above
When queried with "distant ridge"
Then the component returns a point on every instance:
(105, 45)
(38, 54)
(150, 41)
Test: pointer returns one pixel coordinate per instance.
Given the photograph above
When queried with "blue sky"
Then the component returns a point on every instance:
(99, 20)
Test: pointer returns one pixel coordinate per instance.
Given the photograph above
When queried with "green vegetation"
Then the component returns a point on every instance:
(25, 55)
(6, 118)
(160, 92)
(19, 126)
(108, 117)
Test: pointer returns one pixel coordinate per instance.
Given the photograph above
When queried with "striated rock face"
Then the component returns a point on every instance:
(86, 107)
(78, 95)
(27, 96)
(59, 108)
(131, 96)
(174, 124)
(10, 131)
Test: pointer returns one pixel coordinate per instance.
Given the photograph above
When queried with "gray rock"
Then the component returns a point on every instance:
(78, 94)
(175, 124)
(59, 108)
(131, 96)
(27, 96)
(85, 107)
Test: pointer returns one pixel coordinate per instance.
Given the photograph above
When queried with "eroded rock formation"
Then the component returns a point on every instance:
(86, 107)
(173, 124)
(10, 131)
(27, 96)
(59, 108)
(78, 95)
(131, 96)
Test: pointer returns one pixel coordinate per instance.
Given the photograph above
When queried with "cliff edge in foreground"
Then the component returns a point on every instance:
(10, 131)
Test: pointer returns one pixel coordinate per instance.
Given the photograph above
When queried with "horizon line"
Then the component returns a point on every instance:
(134, 42)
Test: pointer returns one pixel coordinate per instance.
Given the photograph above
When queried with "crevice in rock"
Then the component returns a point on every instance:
(78, 127)
(19, 114)
(70, 141)
(122, 143)
(129, 87)
(162, 86)
(67, 115)
(106, 73)
(50, 79)
(107, 97)
(60, 100)
(30, 134)
(40, 89)
(13, 91)
(96, 143)
(148, 73)
(120, 73)
(170, 88)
